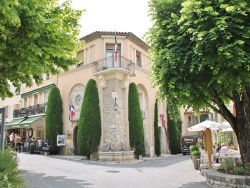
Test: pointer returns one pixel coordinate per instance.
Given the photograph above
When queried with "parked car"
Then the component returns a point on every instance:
(186, 142)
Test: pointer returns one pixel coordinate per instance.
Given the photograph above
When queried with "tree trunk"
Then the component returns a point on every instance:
(243, 137)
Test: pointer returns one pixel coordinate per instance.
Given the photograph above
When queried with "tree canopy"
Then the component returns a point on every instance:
(37, 37)
(201, 52)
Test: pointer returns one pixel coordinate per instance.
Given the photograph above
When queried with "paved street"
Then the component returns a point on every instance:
(73, 172)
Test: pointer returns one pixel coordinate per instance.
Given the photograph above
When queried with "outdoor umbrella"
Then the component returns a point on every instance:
(206, 124)
(226, 126)
(206, 127)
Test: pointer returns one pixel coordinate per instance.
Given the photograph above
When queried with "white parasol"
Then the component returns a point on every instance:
(206, 124)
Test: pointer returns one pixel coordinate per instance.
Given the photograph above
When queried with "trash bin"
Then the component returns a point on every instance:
(32, 148)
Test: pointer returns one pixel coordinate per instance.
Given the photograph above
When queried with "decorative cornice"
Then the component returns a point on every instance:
(130, 36)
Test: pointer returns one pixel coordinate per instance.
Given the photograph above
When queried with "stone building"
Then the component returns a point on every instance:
(113, 60)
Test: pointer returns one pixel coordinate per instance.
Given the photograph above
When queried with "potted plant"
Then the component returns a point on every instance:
(193, 148)
(196, 155)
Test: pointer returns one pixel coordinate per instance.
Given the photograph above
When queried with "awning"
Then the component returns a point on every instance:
(14, 124)
(27, 123)
(39, 90)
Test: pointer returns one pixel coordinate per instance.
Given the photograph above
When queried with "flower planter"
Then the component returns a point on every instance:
(195, 161)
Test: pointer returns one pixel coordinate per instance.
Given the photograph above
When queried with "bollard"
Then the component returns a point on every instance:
(199, 162)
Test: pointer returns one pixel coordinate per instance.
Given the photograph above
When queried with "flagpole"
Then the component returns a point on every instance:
(116, 48)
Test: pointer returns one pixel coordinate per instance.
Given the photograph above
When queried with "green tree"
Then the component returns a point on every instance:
(174, 142)
(54, 123)
(157, 132)
(89, 124)
(201, 52)
(178, 132)
(37, 37)
(136, 133)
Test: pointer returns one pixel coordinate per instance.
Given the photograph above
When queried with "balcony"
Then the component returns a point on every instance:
(109, 63)
(31, 110)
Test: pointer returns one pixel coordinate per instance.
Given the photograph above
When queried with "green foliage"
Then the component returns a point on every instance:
(193, 148)
(136, 132)
(239, 168)
(196, 47)
(54, 123)
(179, 131)
(89, 124)
(200, 143)
(37, 37)
(196, 152)
(174, 143)
(227, 165)
(157, 132)
(222, 137)
(10, 175)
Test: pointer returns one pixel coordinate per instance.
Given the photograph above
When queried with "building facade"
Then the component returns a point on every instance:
(113, 69)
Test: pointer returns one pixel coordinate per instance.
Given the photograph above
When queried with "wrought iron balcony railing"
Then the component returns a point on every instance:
(110, 63)
(31, 110)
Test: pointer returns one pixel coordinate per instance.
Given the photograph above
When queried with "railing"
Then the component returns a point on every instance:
(31, 110)
(111, 63)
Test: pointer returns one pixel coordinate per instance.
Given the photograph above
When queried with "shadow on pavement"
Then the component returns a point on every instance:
(195, 185)
(41, 180)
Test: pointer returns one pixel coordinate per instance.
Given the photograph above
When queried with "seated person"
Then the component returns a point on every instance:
(223, 149)
(218, 153)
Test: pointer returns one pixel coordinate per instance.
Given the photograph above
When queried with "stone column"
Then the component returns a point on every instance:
(114, 123)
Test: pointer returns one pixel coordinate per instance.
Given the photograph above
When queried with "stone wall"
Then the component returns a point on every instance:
(220, 180)
(164, 140)
(114, 123)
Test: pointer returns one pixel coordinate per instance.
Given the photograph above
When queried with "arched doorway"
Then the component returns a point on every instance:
(76, 151)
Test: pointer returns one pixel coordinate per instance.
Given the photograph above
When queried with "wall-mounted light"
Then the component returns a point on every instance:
(115, 105)
(114, 96)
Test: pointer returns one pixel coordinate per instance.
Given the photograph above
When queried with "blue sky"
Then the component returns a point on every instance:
(111, 15)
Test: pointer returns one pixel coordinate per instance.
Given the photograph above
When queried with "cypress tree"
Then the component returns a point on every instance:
(174, 143)
(156, 132)
(179, 132)
(136, 133)
(54, 123)
(89, 124)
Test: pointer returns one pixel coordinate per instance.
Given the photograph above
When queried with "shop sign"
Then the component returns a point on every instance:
(61, 139)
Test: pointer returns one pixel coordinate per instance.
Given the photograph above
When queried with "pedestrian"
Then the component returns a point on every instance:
(12, 139)
(18, 141)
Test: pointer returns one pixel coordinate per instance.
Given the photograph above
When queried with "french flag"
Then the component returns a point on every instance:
(163, 120)
(72, 111)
